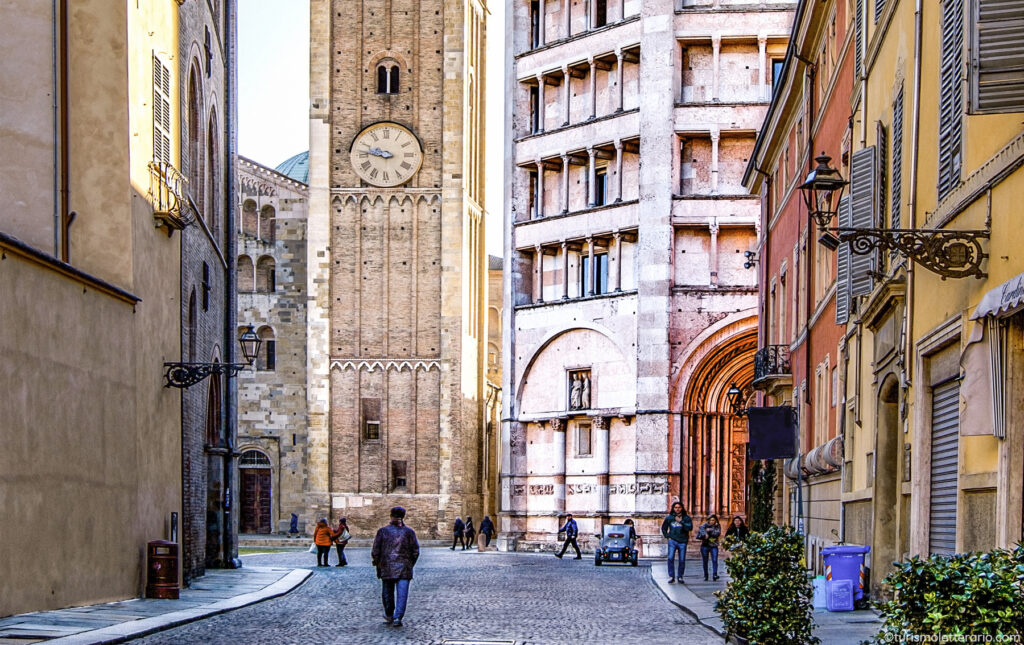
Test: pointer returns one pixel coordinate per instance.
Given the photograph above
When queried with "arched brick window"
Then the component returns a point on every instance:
(249, 218)
(267, 224)
(194, 152)
(265, 278)
(212, 185)
(213, 417)
(388, 77)
(246, 274)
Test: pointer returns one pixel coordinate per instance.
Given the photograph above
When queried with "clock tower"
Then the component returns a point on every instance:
(396, 313)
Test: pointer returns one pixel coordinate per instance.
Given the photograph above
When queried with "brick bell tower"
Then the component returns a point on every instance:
(396, 264)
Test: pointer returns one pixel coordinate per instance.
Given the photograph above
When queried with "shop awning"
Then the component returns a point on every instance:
(1004, 300)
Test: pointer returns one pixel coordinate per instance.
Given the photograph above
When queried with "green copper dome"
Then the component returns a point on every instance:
(296, 167)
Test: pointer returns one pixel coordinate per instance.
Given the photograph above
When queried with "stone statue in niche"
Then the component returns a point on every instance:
(576, 392)
(579, 390)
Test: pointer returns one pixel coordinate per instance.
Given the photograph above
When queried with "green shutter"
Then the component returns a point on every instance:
(997, 56)
(950, 97)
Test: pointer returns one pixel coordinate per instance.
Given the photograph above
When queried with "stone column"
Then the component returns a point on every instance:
(618, 170)
(541, 104)
(567, 11)
(558, 462)
(603, 448)
(567, 93)
(565, 271)
(540, 189)
(590, 266)
(591, 13)
(762, 65)
(716, 48)
(538, 273)
(620, 76)
(565, 184)
(713, 227)
(714, 161)
(540, 23)
(593, 88)
(618, 260)
(591, 178)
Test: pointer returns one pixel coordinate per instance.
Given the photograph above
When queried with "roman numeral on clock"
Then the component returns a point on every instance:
(385, 176)
(365, 165)
(373, 173)
(386, 133)
(406, 165)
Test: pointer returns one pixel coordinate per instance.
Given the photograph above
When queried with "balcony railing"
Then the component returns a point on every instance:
(167, 188)
(771, 360)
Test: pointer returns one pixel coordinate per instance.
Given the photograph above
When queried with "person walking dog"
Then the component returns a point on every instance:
(395, 551)
(708, 534)
(676, 529)
(571, 531)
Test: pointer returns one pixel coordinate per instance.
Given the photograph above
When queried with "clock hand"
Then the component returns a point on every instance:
(377, 152)
(386, 154)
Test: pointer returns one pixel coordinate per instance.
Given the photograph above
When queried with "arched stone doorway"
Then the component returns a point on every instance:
(712, 439)
(256, 492)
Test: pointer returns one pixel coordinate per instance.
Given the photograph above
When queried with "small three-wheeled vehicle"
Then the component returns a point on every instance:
(616, 546)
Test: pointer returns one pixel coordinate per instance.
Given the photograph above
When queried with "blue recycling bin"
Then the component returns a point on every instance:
(846, 562)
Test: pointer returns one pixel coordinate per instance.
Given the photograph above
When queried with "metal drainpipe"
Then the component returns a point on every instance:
(64, 245)
(231, 559)
(806, 399)
(915, 134)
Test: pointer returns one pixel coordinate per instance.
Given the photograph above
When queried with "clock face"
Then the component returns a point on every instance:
(386, 154)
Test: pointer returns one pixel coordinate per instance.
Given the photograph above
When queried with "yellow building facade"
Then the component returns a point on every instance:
(934, 351)
(89, 286)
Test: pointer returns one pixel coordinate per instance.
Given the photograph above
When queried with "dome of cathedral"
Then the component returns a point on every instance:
(296, 167)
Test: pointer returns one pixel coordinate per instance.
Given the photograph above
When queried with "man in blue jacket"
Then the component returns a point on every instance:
(570, 536)
(395, 551)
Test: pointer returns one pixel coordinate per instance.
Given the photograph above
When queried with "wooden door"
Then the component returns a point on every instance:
(256, 489)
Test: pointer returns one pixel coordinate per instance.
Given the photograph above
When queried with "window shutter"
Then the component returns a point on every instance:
(997, 56)
(161, 112)
(950, 97)
(895, 214)
(858, 53)
(881, 176)
(942, 512)
(879, 9)
(843, 267)
(862, 215)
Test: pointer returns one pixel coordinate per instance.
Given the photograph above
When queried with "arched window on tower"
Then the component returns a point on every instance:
(267, 223)
(265, 280)
(246, 274)
(388, 78)
(267, 360)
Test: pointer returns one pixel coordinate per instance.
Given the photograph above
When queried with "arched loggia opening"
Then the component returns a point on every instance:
(713, 464)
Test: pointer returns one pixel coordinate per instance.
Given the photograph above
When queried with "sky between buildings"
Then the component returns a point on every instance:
(273, 92)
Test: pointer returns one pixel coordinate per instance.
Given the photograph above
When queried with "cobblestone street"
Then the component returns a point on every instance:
(457, 596)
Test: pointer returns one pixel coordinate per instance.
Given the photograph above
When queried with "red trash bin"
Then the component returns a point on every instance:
(162, 570)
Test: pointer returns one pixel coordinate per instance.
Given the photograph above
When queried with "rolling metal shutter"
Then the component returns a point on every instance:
(945, 455)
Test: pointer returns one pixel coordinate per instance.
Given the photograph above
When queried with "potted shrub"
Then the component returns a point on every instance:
(976, 594)
(768, 599)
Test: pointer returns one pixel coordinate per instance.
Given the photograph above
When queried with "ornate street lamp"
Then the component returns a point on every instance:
(822, 191)
(184, 375)
(735, 396)
(949, 253)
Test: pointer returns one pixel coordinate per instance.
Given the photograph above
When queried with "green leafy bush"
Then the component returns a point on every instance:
(768, 599)
(964, 594)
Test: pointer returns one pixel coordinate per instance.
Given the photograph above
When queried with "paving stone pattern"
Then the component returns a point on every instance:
(528, 598)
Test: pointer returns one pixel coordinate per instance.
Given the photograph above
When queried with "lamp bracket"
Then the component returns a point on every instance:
(950, 254)
(185, 375)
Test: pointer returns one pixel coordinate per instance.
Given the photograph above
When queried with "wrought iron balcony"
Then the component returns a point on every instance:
(167, 189)
(771, 362)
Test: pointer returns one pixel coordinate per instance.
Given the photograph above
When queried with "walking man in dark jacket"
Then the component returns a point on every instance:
(460, 530)
(676, 529)
(395, 551)
(570, 536)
